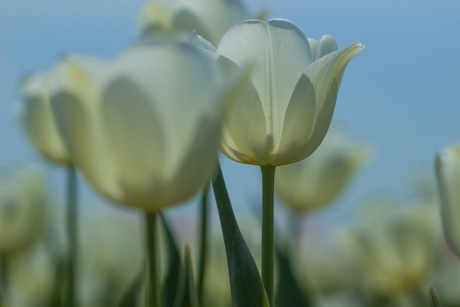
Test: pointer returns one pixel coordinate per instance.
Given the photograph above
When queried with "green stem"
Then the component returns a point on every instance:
(154, 298)
(268, 244)
(203, 243)
(72, 229)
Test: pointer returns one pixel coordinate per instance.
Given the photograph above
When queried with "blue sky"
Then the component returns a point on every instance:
(400, 95)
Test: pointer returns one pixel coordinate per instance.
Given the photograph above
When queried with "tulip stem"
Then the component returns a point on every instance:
(153, 296)
(72, 229)
(268, 245)
(203, 243)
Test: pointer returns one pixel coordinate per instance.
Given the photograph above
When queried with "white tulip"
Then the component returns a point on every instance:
(285, 109)
(318, 180)
(143, 129)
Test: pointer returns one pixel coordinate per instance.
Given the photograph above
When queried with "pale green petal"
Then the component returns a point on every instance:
(280, 54)
(298, 124)
(448, 176)
(37, 119)
(326, 74)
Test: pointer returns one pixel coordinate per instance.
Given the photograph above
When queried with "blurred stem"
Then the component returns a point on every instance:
(154, 298)
(72, 228)
(268, 247)
(203, 243)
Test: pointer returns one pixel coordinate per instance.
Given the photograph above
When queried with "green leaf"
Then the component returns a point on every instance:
(187, 295)
(245, 282)
(172, 280)
(289, 292)
(204, 241)
(434, 298)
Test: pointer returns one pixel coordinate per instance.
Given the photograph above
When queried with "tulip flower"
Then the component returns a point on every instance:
(318, 180)
(285, 110)
(394, 245)
(37, 119)
(210, 18)
(448, 177)
(144, 129)
(22, 209)
(139, 140)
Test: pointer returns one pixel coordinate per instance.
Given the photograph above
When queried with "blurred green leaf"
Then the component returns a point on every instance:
(187, 295)
(204, 241)
(172, 280)
(289, 292)
(434, 298)
(245, 282)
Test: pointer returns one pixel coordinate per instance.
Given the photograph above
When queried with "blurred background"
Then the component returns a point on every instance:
(400, 97)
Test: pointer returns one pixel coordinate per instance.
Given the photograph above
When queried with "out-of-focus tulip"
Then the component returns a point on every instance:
(318, 180)
(210, 18)
(285, 109)
(31, 278)
(22, 209)
(395, 246)
(145, 128)
(37, 118)
(448, 176)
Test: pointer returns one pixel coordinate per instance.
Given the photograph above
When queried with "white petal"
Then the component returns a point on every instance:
(326, 74)
(319, 48)
(298, 124)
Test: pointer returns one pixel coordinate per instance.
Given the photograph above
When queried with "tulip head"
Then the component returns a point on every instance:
(145, 128)
(210, 18)
(37, 118)
(315, 182)
(22, 209)
(286, 105)
(448, 177)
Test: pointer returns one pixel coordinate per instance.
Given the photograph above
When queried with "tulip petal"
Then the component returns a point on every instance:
(244, 134)
(448, 176)
(184, 19)
(319, 48)
(280, 54)
(326, 74)
(299, 121)
(74, 107)
(135, 139)
(207, 134)
(37, 118)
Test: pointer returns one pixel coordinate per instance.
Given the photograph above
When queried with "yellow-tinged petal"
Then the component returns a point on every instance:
(74, 98)
(38, 121)
(448, 176)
